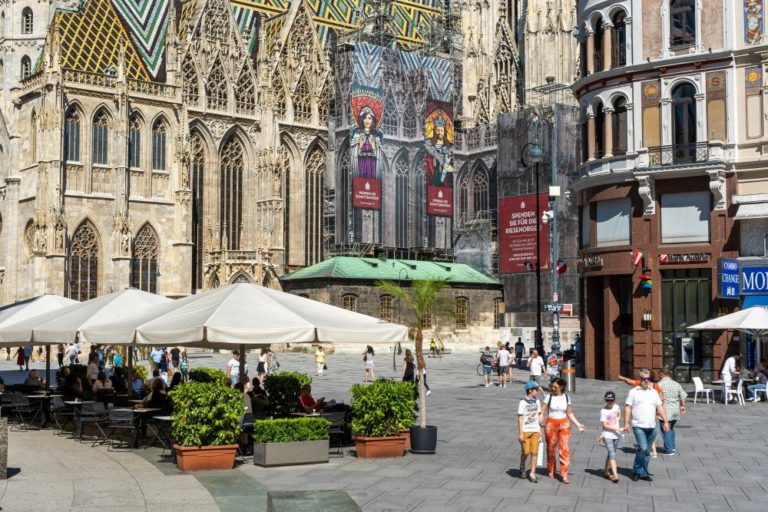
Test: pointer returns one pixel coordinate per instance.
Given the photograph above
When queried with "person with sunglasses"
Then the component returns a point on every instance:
(645, 372)
(641, 408)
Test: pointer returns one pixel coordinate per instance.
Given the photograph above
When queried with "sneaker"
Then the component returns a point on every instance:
(523, 473)
(429, 392)
(487, 385)
(635, 477)
(672, 452)
(751, 399)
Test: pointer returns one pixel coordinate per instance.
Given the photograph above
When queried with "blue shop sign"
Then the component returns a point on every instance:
(754, 280)
(728, 278)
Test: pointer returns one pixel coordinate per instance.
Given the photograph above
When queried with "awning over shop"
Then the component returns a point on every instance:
(752, 211)
(755, 300)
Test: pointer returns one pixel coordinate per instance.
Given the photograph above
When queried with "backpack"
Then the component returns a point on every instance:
(486, 359)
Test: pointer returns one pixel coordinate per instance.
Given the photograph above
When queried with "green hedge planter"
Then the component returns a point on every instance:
(380, 412)
(284, 389)
(289, 442)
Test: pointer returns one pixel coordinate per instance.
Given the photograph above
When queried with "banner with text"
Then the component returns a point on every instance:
(517, 234)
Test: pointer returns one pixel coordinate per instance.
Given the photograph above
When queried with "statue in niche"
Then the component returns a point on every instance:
(276, 184)
(58, 238)
(40, 243)
(125, 242)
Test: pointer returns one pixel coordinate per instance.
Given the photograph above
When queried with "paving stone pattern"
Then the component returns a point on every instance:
(722, 463)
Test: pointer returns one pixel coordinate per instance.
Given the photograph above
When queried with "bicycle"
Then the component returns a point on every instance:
(494, 368)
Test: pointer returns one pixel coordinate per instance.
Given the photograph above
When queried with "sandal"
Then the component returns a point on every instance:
(565, 480)
(551, 475)
(607, 474)
(614, 479)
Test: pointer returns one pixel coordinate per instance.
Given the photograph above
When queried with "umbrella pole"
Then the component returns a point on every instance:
(241, 376)
(47, 367)
(130, 369)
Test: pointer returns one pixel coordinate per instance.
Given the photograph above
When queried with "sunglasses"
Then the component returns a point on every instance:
(645, 379)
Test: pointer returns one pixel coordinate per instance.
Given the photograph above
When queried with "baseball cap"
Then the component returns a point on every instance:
(609, 395)
(531, 385)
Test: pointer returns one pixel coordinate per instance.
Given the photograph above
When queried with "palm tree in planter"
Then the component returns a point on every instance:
(424, 300)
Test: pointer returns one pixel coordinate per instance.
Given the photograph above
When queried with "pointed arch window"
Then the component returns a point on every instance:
(245, 93)
(27, 21)
(197, 173)
(134, 143)
(286, 166)
(159, 145)
(420, 201)
(389, 117)
(302, 103)
(464, 213)
(191, 85)
(72, 136)
(84, 263)
(26, 67)
(216, 92)
(315, 196)
(402, 180)
(410, 120)
(144, 270)
(100, 146)
(231, 201)
(480, 191)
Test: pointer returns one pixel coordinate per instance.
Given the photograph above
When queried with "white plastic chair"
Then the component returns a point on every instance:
(701, 389)
(738, 393)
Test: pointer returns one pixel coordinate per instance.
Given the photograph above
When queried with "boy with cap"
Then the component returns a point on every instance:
(528, 417)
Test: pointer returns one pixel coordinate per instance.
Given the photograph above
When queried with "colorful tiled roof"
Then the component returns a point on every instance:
(375, 269)
(92, 38)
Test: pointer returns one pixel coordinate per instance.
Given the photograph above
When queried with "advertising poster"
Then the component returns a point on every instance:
(753, 21)
(438, 141)
(517, 234)
(366, 137)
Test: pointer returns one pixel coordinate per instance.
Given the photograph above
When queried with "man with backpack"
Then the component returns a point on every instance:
(486, 359)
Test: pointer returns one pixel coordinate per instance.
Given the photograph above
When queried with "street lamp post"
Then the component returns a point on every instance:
(536, 156)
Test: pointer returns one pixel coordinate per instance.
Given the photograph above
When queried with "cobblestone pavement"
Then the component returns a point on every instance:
(722, 462)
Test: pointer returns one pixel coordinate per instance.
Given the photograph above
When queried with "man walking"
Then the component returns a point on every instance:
(641, 407)
(486, 359)
(233, 368)
(535, 364)
(728, 372)
(502, 360)
(674, 406)
(519, 349)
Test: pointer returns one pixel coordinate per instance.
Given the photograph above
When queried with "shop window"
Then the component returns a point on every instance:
(613, 222)
(685, 217)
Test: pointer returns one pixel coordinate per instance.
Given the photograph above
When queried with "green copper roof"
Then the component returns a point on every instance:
(375, 269)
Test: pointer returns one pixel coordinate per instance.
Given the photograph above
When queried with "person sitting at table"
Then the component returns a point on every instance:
(34, 380)
(259, 400)
(760, 376)
(309, 404)
(62, 376)
(73, 386)
(102, 383)
(157, 398)
(155, 376)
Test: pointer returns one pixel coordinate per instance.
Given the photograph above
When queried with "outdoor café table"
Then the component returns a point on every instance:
(141, 414)
(45, 406)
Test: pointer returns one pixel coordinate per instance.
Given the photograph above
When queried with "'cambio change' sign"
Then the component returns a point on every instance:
(754, 280)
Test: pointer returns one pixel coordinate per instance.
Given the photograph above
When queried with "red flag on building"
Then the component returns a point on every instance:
(637, 257)
(561, 267)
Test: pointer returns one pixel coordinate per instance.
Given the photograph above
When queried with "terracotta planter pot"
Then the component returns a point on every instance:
(193, 458)
(407, 435)
(380, 447)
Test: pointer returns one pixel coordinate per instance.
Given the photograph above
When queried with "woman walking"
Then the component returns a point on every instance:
(558, 413)
(610, 416)
(184, 365)
(261, 367)
(368, 361)
(409, 367)
(20, 358)
(320, 360)
(60, 354)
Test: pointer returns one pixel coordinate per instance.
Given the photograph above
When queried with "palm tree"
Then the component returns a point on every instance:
(423, 299)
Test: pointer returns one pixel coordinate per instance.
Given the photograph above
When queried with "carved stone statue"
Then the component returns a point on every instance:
(58, 238)
(125, 242)
(276, 184)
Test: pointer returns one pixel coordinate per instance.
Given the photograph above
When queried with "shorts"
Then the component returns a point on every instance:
(487, 369)
(503, 370)
(530, 443)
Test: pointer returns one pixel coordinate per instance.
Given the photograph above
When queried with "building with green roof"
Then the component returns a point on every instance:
(350, 282)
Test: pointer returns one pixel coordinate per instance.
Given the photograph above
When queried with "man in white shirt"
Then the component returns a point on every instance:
(502, 360)
(535, 363)
(233, 368)
(728, 372)
(642, 406)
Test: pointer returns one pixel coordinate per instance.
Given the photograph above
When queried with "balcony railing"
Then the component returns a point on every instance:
(678, 154)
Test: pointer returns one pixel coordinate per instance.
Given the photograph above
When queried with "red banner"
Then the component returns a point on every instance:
(517, 234)
(440, 201)
(366, 193)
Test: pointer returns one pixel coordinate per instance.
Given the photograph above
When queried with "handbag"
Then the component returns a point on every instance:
(325, 366)
(540, 454)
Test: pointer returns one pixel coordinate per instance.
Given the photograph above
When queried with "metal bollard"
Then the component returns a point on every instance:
(569, 375)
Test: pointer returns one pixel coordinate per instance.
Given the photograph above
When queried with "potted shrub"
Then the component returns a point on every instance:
(424, 301)
(290, 441)
(206, 425)
(284, 389)
(380, 411)
(211, 375)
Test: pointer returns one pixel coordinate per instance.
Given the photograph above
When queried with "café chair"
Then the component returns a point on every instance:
(737, 393)
(61, 414)
(701, 389)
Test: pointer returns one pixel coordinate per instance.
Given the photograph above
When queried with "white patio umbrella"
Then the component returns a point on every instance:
(25, 309)
(243, 314)
(63, 325)
(752, 320)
